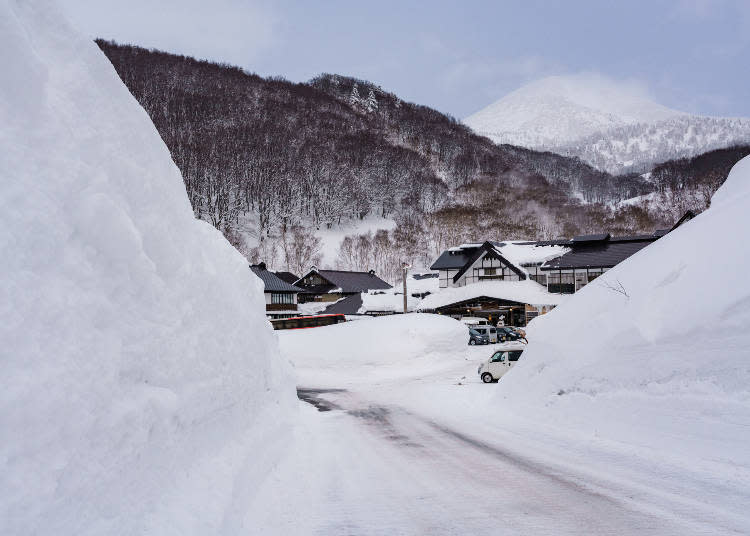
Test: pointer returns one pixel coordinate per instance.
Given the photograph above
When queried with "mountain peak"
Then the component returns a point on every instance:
(558, 110)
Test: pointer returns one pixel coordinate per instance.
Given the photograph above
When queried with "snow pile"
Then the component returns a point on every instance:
(658, 347)
(142, 387)
(387, 346)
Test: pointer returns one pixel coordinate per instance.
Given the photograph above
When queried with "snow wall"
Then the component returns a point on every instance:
(670, 325)
(374, 349)
(142, 388)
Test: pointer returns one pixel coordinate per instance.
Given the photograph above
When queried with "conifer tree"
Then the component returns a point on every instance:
(354, 98)
(372, 103)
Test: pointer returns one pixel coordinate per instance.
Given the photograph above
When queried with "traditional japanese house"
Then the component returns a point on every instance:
(281, 297)
(333, 285)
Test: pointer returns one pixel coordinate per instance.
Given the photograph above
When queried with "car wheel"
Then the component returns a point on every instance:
(487, 377)
(472, 342)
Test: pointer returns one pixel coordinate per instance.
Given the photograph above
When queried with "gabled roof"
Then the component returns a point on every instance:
(347, 281)
(602, 237)
(689, 215)
(289, 277)
(453, 258)
(271, 282)
(489, 249)
(604, 254)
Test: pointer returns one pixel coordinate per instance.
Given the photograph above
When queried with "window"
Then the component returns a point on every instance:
(499, 357)
(513, 356)
(561, 283)
(581, 279)
(489, 271)
(282, 297)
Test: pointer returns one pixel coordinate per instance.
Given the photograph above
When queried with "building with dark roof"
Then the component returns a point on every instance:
(332, 285)
(281, 297)
(563, 266)
(289, 277)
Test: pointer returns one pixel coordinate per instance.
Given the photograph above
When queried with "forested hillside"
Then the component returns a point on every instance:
(271, 163)
(688, 183)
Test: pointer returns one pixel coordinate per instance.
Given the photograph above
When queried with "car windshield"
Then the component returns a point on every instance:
(474, 332)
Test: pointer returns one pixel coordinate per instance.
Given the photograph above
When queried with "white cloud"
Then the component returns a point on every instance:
(232, 31)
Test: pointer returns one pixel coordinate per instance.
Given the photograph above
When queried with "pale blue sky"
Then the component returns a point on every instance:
(691, 55)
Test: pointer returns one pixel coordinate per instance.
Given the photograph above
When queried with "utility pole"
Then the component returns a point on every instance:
(404, 268)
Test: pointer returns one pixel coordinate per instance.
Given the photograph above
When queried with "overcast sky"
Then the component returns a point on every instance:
(457, 56)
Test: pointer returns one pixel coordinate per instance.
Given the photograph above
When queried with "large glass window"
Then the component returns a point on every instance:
(561, 283)
(581, 279)
(282, 297)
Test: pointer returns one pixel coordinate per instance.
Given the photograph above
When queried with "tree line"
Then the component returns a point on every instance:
(269, 162)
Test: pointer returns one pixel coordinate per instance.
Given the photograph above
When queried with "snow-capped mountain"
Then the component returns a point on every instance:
(638, 147)
(614, 126)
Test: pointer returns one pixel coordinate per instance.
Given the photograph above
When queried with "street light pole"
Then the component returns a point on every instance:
(404, 268)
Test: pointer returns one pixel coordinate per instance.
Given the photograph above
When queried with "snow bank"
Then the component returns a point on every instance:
(140, 376)
(383, 346)
(658, 348)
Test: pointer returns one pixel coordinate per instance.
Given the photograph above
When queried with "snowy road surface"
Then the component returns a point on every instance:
(363, 467)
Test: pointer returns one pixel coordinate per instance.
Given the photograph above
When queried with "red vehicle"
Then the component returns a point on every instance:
(302, 322)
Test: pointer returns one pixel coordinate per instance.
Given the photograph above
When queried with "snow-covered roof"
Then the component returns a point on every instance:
(529, 253)
(527, 291)
(392, 300)
(386, 302)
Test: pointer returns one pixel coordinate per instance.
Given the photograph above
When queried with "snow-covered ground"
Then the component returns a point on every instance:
(142, 390)
(330, 239)
(628, 413)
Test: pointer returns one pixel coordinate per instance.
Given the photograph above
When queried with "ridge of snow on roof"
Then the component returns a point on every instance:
(527, 291)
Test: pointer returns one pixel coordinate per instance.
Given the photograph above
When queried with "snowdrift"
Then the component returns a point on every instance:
(139, 372)
(658, 348)
(387, 346)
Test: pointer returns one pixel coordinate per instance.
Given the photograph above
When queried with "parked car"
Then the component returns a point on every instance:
(508, 334)
(488, 331)
(518, 330)
(499, 364)
(474, 321)
(477, 338)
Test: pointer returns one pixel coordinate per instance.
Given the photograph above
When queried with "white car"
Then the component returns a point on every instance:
(499, 364)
